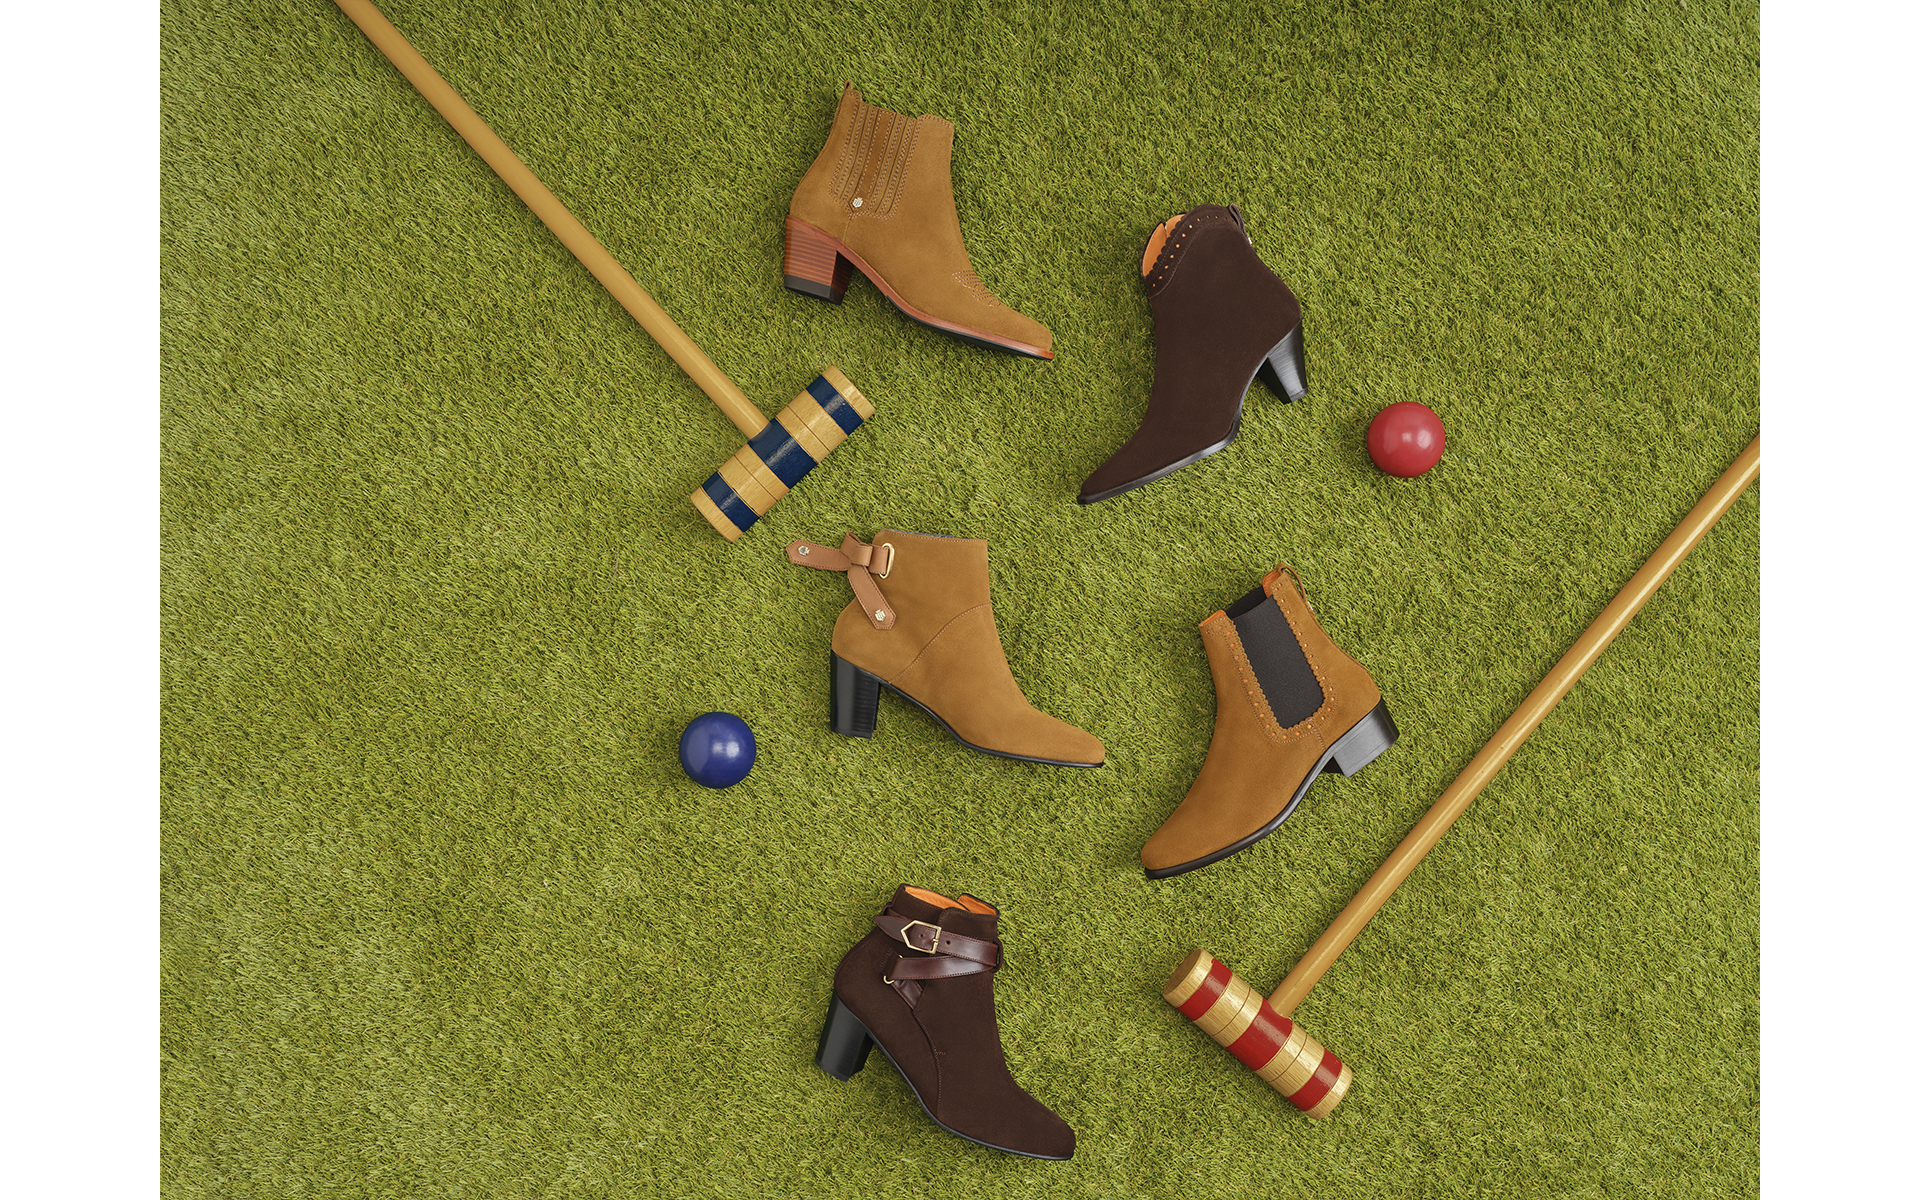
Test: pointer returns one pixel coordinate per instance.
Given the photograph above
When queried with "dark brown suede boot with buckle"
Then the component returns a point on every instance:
(921, 625)
(1220, 317)
(921, 986)
(1290, 705)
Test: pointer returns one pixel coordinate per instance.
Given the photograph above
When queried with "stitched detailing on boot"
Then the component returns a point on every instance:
(891, 177)
(1280, 665)
(972, 282)
(1183, 235)
(878, 153)
(853, 151)
(1219, 626)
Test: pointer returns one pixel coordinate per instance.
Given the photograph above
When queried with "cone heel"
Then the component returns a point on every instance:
(1364, 742)
(1285, 370)
(813, 266)
(844, 1043)
(856, 699)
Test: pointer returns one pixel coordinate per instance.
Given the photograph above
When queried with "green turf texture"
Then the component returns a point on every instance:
(443, 918)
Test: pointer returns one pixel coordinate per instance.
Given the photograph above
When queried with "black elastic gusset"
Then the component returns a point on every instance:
(1279, 665)
(1247, 603)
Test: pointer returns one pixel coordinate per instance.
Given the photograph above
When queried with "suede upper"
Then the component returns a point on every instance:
(1255, 765)
(944, 650)
(883, 187)
(1218, 311)
(947, 1044)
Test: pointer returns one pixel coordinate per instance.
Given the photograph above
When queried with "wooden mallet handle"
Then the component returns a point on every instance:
(548, 208)
(1494, 755)
(1261, 1033)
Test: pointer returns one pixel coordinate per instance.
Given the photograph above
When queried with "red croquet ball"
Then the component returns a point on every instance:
(1406, 439)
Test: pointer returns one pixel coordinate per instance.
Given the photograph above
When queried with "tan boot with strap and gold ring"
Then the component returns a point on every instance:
(921, 625)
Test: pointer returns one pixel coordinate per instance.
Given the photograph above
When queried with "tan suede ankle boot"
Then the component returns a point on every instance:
(921, 624)
(880, 197)
(1290, 705)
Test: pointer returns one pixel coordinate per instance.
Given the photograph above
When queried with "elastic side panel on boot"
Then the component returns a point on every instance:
(1247, 603)
(1279, 665)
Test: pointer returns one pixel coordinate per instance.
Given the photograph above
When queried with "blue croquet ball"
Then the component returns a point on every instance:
(717, 750)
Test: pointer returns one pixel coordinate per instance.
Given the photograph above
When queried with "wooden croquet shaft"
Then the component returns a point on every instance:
(548, 208)
(1532, 711)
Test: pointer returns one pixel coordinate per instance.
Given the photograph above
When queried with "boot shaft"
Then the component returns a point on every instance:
(877, 165)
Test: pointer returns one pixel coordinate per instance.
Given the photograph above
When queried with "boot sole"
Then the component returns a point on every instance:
(1358, 746)
(1285, 370)
(844, 1045)
(833, 295)
(856, 712)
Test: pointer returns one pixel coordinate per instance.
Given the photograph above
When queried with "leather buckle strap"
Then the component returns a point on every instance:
(929, 938)
(862, 563)
(950, 954)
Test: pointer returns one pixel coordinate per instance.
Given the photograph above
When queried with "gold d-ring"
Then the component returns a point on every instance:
(888, 547)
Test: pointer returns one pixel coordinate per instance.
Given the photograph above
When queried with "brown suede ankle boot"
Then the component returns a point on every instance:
(921, 986)
(921, 624)
(880, 197)
(1289, 705)
(1220, 317)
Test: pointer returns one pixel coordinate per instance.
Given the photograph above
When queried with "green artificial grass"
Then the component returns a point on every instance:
(442, 917)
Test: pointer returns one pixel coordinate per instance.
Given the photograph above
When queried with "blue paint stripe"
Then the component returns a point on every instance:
(834, 403)
(785, 457)
(729, 502)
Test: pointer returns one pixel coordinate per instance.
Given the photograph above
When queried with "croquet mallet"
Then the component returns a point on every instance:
(1260, 1031)
(777, 452)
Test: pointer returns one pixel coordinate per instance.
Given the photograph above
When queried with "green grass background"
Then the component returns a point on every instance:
(442, 917)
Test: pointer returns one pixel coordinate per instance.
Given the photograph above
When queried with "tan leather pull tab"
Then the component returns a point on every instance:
(813, 554)
(861, 562)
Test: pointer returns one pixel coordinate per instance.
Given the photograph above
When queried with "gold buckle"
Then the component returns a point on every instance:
(929, 925)
(888, 547)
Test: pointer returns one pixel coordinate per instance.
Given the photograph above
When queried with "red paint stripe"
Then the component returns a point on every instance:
(1263, 1039)
(1315, 1090)
(1211, 989)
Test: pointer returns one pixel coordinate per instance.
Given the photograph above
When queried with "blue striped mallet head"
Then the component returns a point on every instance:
(774, 459)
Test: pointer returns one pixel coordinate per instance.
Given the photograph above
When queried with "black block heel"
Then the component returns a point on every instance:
(844, 1043)
(1285, 370)
(856, 699)
(1364, 742)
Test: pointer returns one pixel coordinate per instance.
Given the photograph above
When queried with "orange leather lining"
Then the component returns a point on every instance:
(1158, 240)
(970, 903)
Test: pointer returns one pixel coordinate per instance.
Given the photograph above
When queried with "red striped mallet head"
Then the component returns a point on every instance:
(1229, 1011)
(777, 457)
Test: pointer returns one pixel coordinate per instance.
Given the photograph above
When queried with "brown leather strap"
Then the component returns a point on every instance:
(950, 954)
(932, 939)
(862, 563)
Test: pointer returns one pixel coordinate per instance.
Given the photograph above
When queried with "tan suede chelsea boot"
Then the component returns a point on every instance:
(1289, 705)
(921, 625)
(880, 197)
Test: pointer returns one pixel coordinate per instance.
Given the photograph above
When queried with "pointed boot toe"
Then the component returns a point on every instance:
(919, 986)
(921, 626)
(1221, 318)
(879, 198)
(1289, 706)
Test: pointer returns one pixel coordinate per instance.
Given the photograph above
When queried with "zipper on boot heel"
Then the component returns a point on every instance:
(1285, 370)
(812, 266)
(844, 1043)
(856, 699)
(1364, 742)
